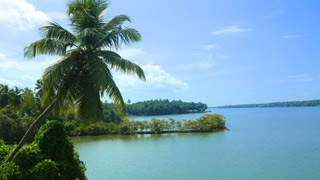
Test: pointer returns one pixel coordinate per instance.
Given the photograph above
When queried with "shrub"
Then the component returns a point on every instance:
(4, 150)
(50, 156)
(124, 129)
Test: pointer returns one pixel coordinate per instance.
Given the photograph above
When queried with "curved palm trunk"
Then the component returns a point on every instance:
(28, 133)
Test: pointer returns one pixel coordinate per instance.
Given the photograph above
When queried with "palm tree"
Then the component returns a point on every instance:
(38, 88)
(83, 74)
(4, 95)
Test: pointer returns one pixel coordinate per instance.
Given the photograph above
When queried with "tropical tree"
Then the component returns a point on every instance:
(83, 74)
(4, 95)
(38, 88)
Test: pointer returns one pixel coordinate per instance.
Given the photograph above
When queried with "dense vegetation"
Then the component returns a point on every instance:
(206, 123)
(164, 106)
(311, 103)
(49, 156)
(21, 106)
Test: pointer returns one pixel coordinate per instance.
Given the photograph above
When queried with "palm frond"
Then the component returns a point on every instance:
(116, 22)
(102, 80)
(116, 62)
(89, 36)
(54, 76)
(120, 36)
(55, 31)
(89, 104)
(46, 46)
(87, 13)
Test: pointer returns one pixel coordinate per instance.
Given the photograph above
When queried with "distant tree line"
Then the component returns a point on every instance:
(163, 107)
(312, 103)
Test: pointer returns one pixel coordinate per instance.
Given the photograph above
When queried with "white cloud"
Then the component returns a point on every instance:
(294, 78)
(210, 47)
(20, 14)
(230, 30)
(22, 73)
(300, 78)
(130, 52)
(206, 61)
(56, 15)
(293, 36)
(157, 79)
(8, 82)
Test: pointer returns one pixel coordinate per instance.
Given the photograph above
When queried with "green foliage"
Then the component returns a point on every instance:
(11, 171)
(46, 169)
(53, 141)
(155, 126)
(15, 120)
(161, 107)
(124, 129)
(4, 150)
(50, 156)
(27, 157)
(13, 123)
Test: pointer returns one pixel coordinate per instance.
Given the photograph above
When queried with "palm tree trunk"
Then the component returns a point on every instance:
(29, 131)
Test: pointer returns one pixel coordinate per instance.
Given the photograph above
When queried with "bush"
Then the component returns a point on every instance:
(124, 129)
(4, 150)
(211, 122)
(50, 156)
(45, 170)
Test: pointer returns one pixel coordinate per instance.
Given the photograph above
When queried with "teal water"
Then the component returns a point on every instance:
(263, 143)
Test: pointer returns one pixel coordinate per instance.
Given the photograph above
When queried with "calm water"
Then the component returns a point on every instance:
(263, 143)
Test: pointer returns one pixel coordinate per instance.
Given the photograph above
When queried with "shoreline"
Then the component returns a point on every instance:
(162, 132)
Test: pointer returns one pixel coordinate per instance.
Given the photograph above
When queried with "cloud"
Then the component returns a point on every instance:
(130, 52)
(157, 79)
(293, 36)
(9, 82)
(205, 62)
(20, 14)
(294, 78)
(230, 30)
(22, 73)
(210, 46)
(56, 15)
(300, 78)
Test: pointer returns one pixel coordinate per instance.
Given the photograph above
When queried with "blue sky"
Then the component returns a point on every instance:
(216, 52)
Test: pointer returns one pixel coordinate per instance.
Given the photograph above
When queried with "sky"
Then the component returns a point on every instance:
(217, 52)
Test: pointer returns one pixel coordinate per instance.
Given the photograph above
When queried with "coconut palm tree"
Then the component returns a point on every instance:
(83, 74)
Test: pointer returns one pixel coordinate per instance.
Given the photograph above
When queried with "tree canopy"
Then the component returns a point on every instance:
(164, 106)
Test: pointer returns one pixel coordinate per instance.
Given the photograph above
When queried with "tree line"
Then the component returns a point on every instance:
(311, 103)
(162, 107)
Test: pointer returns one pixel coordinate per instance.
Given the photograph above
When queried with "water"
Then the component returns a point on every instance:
(263, 143)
